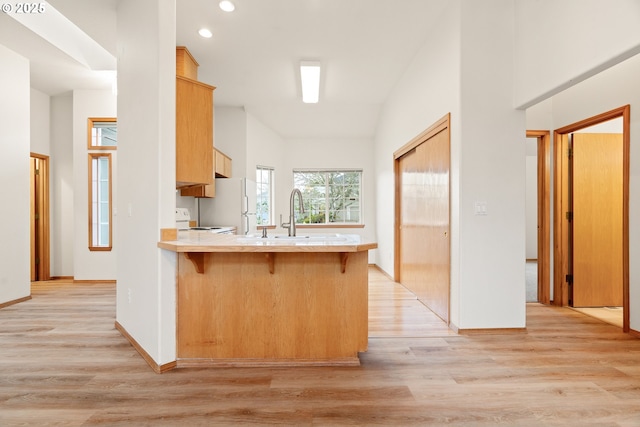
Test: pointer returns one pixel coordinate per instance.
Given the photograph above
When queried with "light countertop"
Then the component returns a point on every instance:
(193, 241)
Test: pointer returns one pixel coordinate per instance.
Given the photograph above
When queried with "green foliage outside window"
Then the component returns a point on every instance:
(330, 196)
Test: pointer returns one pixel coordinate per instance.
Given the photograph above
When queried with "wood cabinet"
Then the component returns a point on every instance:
(236, 312)
(186, 64)
(223, 164)
(204, 191)
(194, 132)
(194, 124)
(222, 170)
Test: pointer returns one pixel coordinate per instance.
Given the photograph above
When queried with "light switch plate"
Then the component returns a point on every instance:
(480, 208)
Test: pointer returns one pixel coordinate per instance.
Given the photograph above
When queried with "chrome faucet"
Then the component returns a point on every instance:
(291, 225)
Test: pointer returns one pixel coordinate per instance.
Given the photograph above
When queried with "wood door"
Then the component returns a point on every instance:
(423, 218)
(597, 220)
(39, 230)
(34, 236)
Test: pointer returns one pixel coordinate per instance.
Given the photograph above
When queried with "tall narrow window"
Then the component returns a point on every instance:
(330, 196)
(103, 133)
(264, 200)
(100, 201)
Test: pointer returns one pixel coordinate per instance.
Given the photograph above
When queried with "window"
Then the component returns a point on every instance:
(330, 196)
(103, 133)
(100, 201)
(264, 201)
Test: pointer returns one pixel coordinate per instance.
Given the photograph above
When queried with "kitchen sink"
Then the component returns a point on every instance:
(305, 238)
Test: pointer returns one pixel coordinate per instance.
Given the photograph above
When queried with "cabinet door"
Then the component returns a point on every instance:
(203, 191)
(223, 165)
(194, 133)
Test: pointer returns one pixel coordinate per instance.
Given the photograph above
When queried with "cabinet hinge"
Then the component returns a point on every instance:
(569, 152)
(569, 278)
(569, 216)
(37, 216)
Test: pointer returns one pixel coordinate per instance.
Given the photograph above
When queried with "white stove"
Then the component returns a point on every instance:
(183, 218)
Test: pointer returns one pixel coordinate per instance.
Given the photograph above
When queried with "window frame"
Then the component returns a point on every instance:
(92, 245)
(271, 214)
(361, 221)
(91, 125)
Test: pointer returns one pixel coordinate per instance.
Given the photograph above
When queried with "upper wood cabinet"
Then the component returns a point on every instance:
(222, 170)
(186, 65)
(205, 191)
(194, 125)
(223, 164)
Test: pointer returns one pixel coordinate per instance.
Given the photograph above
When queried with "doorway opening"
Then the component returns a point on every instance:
(591, 213)
(542, 199)
(40, 250)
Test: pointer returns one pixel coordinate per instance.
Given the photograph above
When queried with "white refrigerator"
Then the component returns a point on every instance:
(233, 205)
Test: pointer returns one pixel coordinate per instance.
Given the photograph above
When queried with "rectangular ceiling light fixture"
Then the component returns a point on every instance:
(310, 76)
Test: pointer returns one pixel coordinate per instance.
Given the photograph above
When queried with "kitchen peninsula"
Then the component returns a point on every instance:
(270, 301)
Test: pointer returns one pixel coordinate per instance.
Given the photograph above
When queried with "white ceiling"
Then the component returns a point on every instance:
(253, 56)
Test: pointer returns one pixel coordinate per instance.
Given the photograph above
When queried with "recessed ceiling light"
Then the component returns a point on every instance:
(204, 32)
(227, 6)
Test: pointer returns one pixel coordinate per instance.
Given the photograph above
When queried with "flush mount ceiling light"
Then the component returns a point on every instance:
(206, 33)
(310, 77)
(227, 6)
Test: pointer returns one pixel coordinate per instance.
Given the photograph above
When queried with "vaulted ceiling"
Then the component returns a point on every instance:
(364, 47)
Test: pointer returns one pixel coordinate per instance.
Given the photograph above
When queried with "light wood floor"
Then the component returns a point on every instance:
(611, 315)
(62, 363)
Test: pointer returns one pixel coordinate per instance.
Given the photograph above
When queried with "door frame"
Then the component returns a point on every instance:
(42, 231)
(560, 229)
(544, 213)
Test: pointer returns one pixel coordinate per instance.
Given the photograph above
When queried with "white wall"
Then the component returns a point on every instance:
(560, 43)
(492, 170)
(266, 148)
(91, 265)
(230, 137)
(424, 94)
(146, 281)
(62, 186)
(40, 119)
(15, 273)
(455, 71)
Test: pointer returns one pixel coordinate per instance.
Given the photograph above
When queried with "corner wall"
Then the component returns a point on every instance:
(429, 89)
(464, 69)
(146, 282)
(62, 186)
(40, 123)
(15, 276)
(492, 171)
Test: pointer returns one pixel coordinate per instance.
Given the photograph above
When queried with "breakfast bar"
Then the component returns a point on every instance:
(280, 300)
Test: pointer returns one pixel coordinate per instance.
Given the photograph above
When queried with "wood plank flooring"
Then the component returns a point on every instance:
(63, 363)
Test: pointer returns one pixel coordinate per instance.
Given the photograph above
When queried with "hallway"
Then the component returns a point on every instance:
(62, 362)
